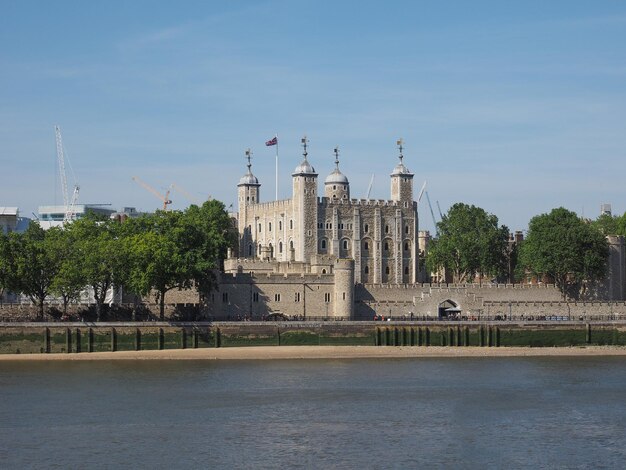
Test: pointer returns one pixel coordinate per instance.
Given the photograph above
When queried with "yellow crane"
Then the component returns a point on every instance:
(166, 199)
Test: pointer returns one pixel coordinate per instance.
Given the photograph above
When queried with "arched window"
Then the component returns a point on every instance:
(323, 271)
(259, 228)
(290, 224)
(249, 250)
(367, 269)
(280, 247)
(345, 244)
(406, 246)
(386, 246)
(323, 244)
(366, 246)
(291, 244)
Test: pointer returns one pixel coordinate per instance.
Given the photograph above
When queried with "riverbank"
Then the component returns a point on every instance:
(320, 352)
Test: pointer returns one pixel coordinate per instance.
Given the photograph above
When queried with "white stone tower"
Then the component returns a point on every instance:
(336, 186)
(344, 289)
(248, 193)
(305, 208)
(401, 181)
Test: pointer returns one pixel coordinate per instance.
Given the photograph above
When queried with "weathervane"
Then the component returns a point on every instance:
(399, 143)
(249, 156)
(337, 156)
(304, 142)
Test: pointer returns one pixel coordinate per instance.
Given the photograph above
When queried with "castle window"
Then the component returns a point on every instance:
(280, 247)
(334, 187)
(340, 226)
(366, 228)
(327, 297)
(345, 244)
(248, 198)
(224, 297)
(252, 198)
(259, 228)
(345, 196)
(249, 250)
(386, 246)
(367, 270)
(297, 297)
(259, 248)
(387, 270)
(386, 228)
(308, 232)
(323, 244)
(290, 224)
(406, 229)
(280, 225)
(255, 296)
(366, 246)
(406, 270)
(320, 225)
(406, 246)
(344, 296)
(323, 271)
(291, 244)
(269, 226)
(276, 297)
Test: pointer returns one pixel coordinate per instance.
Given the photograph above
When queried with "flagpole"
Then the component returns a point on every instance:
(276, 137)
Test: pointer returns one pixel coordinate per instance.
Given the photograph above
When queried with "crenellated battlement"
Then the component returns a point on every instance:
(282, 204)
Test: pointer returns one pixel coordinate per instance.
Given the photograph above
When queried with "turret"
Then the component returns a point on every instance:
(344, 289)
(305, 208)
(401, 180)
(336, 186)
(248, 193)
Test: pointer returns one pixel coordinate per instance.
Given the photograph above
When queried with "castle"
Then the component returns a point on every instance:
(335, 257)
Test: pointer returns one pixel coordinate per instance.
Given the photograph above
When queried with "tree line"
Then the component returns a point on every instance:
(151, 253)
(571, 251)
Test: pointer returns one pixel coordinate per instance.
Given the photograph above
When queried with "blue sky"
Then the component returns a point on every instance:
(517, 107)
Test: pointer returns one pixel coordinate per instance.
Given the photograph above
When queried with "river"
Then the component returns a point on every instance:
(391, 413)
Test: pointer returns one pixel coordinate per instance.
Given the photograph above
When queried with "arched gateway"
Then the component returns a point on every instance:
(449, 310)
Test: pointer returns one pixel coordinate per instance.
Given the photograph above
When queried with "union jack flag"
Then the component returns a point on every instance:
(271, 142)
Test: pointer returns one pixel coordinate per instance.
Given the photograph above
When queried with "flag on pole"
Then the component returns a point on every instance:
(271, 142)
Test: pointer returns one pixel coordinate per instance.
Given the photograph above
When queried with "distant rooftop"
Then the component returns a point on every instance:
(8, 210)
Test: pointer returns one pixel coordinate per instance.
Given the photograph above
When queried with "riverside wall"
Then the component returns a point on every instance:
(40, 338)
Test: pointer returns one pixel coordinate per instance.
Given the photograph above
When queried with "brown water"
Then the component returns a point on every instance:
(409, 413)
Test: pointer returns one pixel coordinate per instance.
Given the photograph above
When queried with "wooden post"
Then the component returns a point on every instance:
(113, 340)
(68, 340)
(46, 340)
(137, 339)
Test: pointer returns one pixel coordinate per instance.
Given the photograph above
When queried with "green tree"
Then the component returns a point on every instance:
(4, 262)
(103, 259)
(209, 232)
(32, 263)
(69, 281)
(469, 243)
(567, 249)
(611, 224)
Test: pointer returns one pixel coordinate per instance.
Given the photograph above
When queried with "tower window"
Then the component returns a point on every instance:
(280, 225)
(366, 228)
(366, 246)
(297, 297)
(280, 247)
(327, 297)
(386, 228)
(323, 244)
(269, 226)
(224, 297)
(367, 269)
(290, 224)
(345, 244)
(255, 296)
(406, 270)
(260, 228)
(387, 270)
(406, 229)
(406, 246)
(276, 297)
(386, 246)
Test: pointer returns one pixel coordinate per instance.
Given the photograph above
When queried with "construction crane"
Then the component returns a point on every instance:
(369, 188)
(69, 205)
(165, 199)
(432, 214)
(185, 193)
(419, 197)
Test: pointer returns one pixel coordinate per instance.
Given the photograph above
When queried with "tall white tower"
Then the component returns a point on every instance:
(248, 194)
(305, 208)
